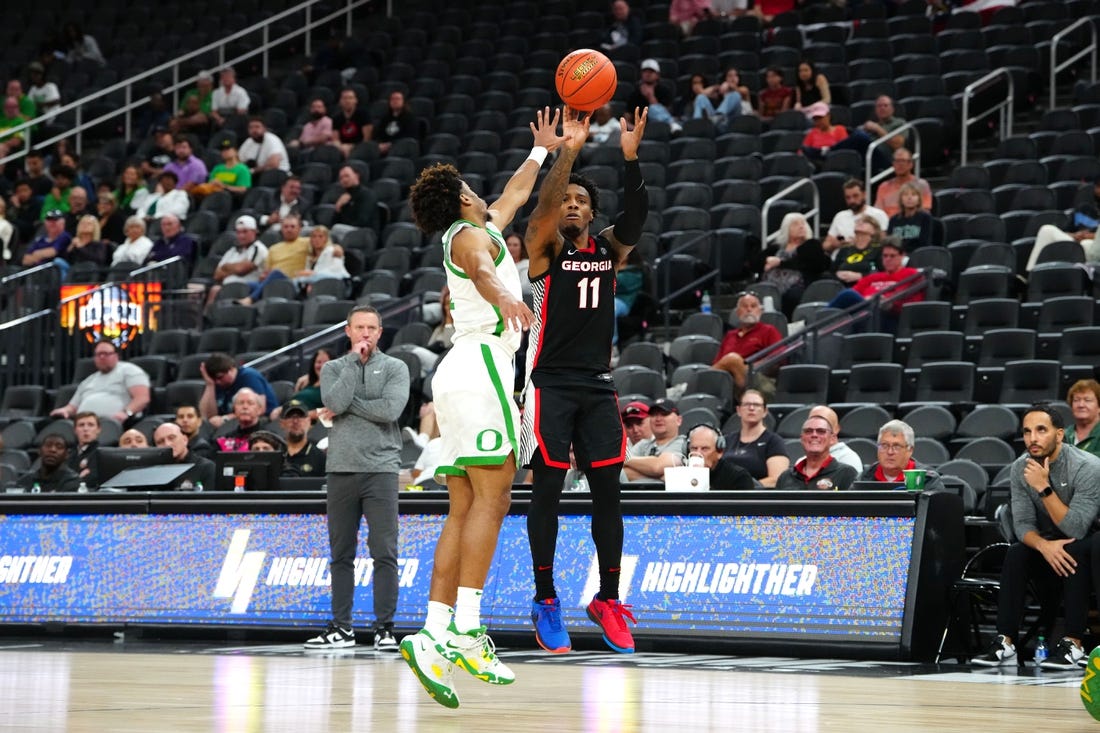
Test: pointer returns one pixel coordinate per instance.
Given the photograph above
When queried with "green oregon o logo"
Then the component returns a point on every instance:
(487, 436)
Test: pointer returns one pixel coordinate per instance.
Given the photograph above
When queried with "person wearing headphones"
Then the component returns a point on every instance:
(818, 469)
(705, 444)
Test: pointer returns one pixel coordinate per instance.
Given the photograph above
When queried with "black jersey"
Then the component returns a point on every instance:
(574, 304)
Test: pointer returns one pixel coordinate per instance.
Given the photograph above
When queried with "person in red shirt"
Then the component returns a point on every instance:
(823, 135)
(774, 98)
(889, 279)
(749, 337)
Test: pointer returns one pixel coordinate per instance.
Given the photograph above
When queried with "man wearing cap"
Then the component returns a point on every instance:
(44, 93)
(749, 336)
(173, 241)
(824, 134)
(888, 191)
(666, 449)
(885, 282)
(201, 473)
(654, 93)
(53, 243)
(163, 201)
(231, 174)
(637, 425)
(817, 469)
(243, 262)
(303, 457)
(189, 169)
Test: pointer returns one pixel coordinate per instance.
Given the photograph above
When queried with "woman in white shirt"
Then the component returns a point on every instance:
(325, 258)
(136, 247)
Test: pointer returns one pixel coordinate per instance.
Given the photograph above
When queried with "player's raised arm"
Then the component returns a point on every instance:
(471, 250)
(628, 226)
(522, 182)
(542, 227)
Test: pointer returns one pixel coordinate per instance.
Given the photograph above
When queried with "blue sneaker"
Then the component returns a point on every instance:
(550, 632)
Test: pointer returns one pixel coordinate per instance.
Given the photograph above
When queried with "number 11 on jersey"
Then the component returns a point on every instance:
(584, 285)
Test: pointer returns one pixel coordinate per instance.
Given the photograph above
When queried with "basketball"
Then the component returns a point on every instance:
(586, 80)
(1090, 685)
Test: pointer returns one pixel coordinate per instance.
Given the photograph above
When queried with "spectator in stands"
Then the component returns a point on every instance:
(886, 283)
(85, 459)
(913, 225)
(230, 98)
(754, 447)
(517, 249)
(843, 225)
(1083, 224)
(623, 27)
(823, 135)
(53, 243)
(23, 211)
(289, 200)
(190, 424)
(424, 470)
(188, 167)
(135, 246)
(719, 102)
(248, 412)
(285, 259)
(396, 122)
(166, 199)
(810, 87)
(116, 389)
(860, 258)
(653, 92)
(196, 106)
(263, 150)
(350, 123)
(684, 14)
(307, 389)
(133, 439)
(78, 208)
(53, 473)
(44, 93)
(58, 197)
(242, 263)
(775, 97)
(35, 173)
(636, 423)
(82, 48)
(265, 441)
(112, 222)
(1084, 400)
(795, 262)
(11, 117)
(231, 174)
(317, 130)
(173, 241)
(202, 474)
(604, 129)
(324, 260)
(27, 107)
(302, 455)
(883, 123)
(838, 449)
(707, 442)
(896, 441)
(164, 150)
(7, 234)
(357, 206)
(648, 460)
(154, 116)
(224, 379)
(87, 245)
(747, 338)
(629, 282)
(888, 197)
(818, 469)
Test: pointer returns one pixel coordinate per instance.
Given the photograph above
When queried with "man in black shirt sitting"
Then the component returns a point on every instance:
(53, 473)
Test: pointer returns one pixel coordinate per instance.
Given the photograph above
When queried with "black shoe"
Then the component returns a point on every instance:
(1000, 653)
(333, 637)
(384, 640)
(1066, 655)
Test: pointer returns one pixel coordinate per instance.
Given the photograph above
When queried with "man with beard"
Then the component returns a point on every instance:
(357, 205)
(263, 150)
(1055, 490)
(843, 229)
(189, 168)
(53, 473)
(200, 475)
(302, 455)
(744, 340)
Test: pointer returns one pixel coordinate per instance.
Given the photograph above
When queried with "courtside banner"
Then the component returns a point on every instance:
(782, 577)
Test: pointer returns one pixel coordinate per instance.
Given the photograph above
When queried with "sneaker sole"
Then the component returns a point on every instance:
(385, 647)
(552, 650)
(1001, 663)
(1060, 666)
(442, 694)
(332, 645)
(620, 649)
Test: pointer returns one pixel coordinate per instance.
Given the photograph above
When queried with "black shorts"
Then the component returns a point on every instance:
(556, 417)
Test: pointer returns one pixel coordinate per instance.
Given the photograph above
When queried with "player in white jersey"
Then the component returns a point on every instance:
(478, 419)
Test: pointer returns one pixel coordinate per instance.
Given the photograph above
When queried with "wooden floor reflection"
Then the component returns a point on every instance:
(89, 687)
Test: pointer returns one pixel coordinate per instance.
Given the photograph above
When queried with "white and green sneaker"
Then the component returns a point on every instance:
(434, 671)
(474, 651)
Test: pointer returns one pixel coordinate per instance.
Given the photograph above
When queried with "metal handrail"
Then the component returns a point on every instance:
(1006, 107)
(915, 150)
(714, 275)
(814, 213)
(30, 271)
(177, 84)
(1055, 67)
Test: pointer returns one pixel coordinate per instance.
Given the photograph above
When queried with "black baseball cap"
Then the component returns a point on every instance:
(54, 214)
(664, 406)
(295, 406)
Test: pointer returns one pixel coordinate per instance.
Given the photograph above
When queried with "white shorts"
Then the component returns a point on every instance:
(477, 415)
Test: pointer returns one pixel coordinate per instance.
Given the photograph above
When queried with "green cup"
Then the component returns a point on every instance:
(914, 479)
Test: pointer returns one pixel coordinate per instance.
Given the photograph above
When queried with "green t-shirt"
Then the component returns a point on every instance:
(1091, 443)
(9, 122)
(238, 175)
(50, 203)
(27, 107)
(204, 102)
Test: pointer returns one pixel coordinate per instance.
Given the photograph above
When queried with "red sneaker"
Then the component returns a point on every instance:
(608, 615)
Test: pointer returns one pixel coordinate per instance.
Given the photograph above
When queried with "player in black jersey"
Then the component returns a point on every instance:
(570, 399)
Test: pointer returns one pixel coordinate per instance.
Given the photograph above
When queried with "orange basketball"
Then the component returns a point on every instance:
(586, 79)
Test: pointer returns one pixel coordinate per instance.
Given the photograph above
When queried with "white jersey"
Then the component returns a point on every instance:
(473, 315)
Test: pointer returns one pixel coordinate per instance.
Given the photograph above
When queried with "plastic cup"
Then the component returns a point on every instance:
(914, 480)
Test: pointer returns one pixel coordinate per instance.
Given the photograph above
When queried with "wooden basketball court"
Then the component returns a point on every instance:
(152, 686)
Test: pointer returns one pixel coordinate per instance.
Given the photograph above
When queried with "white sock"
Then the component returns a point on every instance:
(439, 618)
(468, 609)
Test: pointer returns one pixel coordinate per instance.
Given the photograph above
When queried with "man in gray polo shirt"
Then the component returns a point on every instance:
(116, 389)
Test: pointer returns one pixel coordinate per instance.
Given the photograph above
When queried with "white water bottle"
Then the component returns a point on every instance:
(1041, 651)
(704, 302)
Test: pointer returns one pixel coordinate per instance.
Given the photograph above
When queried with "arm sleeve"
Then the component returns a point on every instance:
(1085, 502)
(395, 394)
(628, 227)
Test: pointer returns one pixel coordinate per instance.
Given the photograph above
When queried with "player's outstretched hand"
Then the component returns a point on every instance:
(574, 129)
(517, 316)
(545, 129)
(631, 139)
